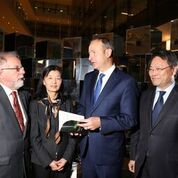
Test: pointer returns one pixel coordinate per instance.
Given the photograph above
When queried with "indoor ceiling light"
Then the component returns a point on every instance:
(127, 14)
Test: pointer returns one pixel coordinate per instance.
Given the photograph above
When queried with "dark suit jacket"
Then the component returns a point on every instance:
(13, 143)
(117, 108)
(160, 143)
(44, 149)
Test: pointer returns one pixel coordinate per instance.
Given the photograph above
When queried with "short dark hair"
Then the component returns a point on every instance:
(166, 55)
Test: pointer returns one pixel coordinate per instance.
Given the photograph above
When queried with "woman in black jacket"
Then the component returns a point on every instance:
(52, 150)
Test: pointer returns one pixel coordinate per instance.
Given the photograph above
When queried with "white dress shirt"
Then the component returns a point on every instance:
(8, 92)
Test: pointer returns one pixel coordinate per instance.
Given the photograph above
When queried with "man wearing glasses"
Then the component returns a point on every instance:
(13, 117)
(154, 147)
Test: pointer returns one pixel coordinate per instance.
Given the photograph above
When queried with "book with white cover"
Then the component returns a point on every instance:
(68, 121)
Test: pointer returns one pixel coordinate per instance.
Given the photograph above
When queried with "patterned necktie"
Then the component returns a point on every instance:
(18, 111)
(97, 89)
(157, 108)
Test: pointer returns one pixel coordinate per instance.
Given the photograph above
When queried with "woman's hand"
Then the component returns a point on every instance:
(54, 165)
(61, 163)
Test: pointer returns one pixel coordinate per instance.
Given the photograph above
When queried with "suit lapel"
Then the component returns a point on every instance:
(150, 106)
(23, 100)
(112, 81)
(24, 106)
(90, 87)
(10, 115)
(171, 100)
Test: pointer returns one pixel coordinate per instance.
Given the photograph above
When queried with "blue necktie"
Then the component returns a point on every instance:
(98, 86)
(157, 108)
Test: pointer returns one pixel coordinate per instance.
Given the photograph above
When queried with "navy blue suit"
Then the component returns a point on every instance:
(117, 109)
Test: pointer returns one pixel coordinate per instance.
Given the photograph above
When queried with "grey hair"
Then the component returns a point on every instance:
(3, 56)
(107, 43)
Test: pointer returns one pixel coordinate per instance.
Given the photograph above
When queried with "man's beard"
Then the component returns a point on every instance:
(19, 84)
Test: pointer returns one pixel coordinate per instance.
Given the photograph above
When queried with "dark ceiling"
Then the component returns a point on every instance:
(69, 18)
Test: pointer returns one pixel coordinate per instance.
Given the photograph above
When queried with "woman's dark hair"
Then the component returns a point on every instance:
(41, 89)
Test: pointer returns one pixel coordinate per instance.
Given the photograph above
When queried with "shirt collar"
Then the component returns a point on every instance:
(168, 89)
(109, 71)
(7, 90)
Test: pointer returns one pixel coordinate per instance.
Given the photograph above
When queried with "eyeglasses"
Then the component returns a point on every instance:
(157, 69)
(13, 68)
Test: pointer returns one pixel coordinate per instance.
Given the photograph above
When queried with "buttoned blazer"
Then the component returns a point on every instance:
(12, 139)
(117, 108)
(159, 144)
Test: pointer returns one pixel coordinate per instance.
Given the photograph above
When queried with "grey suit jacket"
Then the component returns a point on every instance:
(13, 141)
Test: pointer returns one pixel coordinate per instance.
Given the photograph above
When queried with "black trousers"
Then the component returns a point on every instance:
(144, 173)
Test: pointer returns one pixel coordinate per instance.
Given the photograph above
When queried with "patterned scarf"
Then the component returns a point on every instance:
(51, 112)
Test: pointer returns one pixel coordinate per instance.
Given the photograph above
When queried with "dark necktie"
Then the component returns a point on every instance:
(97, 89)
(157, 108)
(18, 111)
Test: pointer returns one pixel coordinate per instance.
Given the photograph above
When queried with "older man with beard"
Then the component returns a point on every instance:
(13, 117)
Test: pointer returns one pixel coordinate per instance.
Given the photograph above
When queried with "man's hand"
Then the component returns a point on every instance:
(131, 166)
(91, 123)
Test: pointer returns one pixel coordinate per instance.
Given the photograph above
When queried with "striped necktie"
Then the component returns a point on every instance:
(18, 111)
